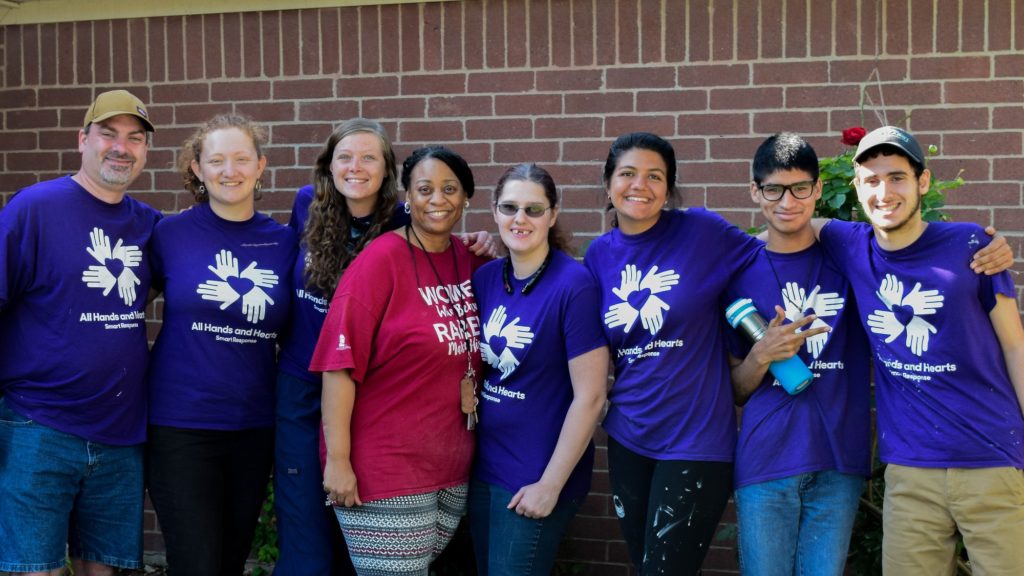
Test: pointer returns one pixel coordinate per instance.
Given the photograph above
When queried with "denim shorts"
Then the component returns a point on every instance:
(59, 489)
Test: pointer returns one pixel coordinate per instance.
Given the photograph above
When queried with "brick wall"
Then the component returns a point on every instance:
(555, 81)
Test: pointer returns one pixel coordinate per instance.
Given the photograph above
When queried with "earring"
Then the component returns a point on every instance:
(202, 189)
(467, 203)
(407, 209)
(259, 186)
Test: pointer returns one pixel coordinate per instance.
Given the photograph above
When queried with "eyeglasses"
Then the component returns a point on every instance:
(799, 190)
(531, 210)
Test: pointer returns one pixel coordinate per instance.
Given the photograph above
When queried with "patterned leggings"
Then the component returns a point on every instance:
(404, 534)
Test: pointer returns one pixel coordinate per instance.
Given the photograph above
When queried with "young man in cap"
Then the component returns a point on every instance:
(74, 278)
(949, 364)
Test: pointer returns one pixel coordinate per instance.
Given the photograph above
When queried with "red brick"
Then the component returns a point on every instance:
(432, 131)
(699, 36)
(177, 48)
(982, 144)
(267, 111)
(1002, 169)
(350, 46)
(252, 47)
(651, 40)
(748, 34)
(706, 75)
(1002, 91)
(270, 41)
(641, 77)
(492, 82)
(194, 53)
(433, 84)
(739, 148)
(30, 161)
(299, 133)
(950, 67)
(445, 106)
(10, 140)
(795, 41)
(1009, 65)
(578, 127)
(745, 98)
(394, 108)
(606, 21)
(616, 125)
(25, 98)
(820, 23)
(330, 45)
(48, 140)
(452, 34)
(368, 86)
(816, 96)
(234, 91)
(675, 26)
(65, 54)
(732, 196)
(513, 152)
(847, 35)
(390, 50)
(1000, 22)
(30, 54)
(985, 194)
(472, 43)
(718, 172)
(83, 52)
(212, 46)
(940, 119)
(771, 31)
(290, 38)
(584, 151)
(231, 37)
(17, 180)
(1008, 117)
(598, 102)
(409, 16)
(947, 24)
(198, 113)
(309, 41)
(671, 100)
(799, 122)
(280, 156)
(47, 53)
(494, 34)
(842, 71)
(906, 93)
(333, 110)
(499, 129)
(575, 80)
(722, 30)
(516, 34)
(870, 17)
(1005, 218)
(896, 41)
(788, 73)
(181, 93)
(302, 89)
(629, 35)
(582, 33)
(156, 48)
(19, 119)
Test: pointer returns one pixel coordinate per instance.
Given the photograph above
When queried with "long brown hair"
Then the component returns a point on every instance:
(326, 237)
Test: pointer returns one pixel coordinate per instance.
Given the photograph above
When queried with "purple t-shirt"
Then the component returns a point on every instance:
(944, 395)
(309, 306)
(672, 397)
(226, 290)
(828, 425)
(527, 342)
(74, 275)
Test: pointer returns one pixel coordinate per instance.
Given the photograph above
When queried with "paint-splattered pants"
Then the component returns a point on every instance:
(668, 509)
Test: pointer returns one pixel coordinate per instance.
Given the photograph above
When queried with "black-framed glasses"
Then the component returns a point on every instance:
(531, 210)
(799, 190)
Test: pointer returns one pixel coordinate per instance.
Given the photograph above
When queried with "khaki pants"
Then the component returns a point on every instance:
(924, 508)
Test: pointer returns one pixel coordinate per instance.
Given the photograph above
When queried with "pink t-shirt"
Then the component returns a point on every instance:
(403, 337)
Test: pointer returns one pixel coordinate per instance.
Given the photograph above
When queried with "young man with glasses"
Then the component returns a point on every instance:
(949, 367)
(801, 459)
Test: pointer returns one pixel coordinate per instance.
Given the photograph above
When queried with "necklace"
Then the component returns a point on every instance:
(467, 385)
(506, 274)
(812, 272)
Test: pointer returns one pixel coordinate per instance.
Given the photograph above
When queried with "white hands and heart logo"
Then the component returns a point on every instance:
(904, 313)
(247, 285)
(638, 295)
(500, 339)
(114, 266)
(821, 304)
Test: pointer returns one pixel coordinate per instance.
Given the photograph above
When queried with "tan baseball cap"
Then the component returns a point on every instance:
(114, 102)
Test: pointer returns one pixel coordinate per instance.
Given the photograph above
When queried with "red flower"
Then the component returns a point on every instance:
(852, 136)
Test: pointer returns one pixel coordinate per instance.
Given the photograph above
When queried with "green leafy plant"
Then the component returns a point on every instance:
(264, 542)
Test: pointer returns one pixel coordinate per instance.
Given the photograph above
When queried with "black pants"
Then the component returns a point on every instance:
(207, 487)
(668, 509)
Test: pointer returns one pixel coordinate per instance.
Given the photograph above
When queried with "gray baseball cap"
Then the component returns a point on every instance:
(893, 136)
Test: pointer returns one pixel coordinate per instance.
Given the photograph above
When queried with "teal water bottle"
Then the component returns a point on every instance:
(791, 373)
